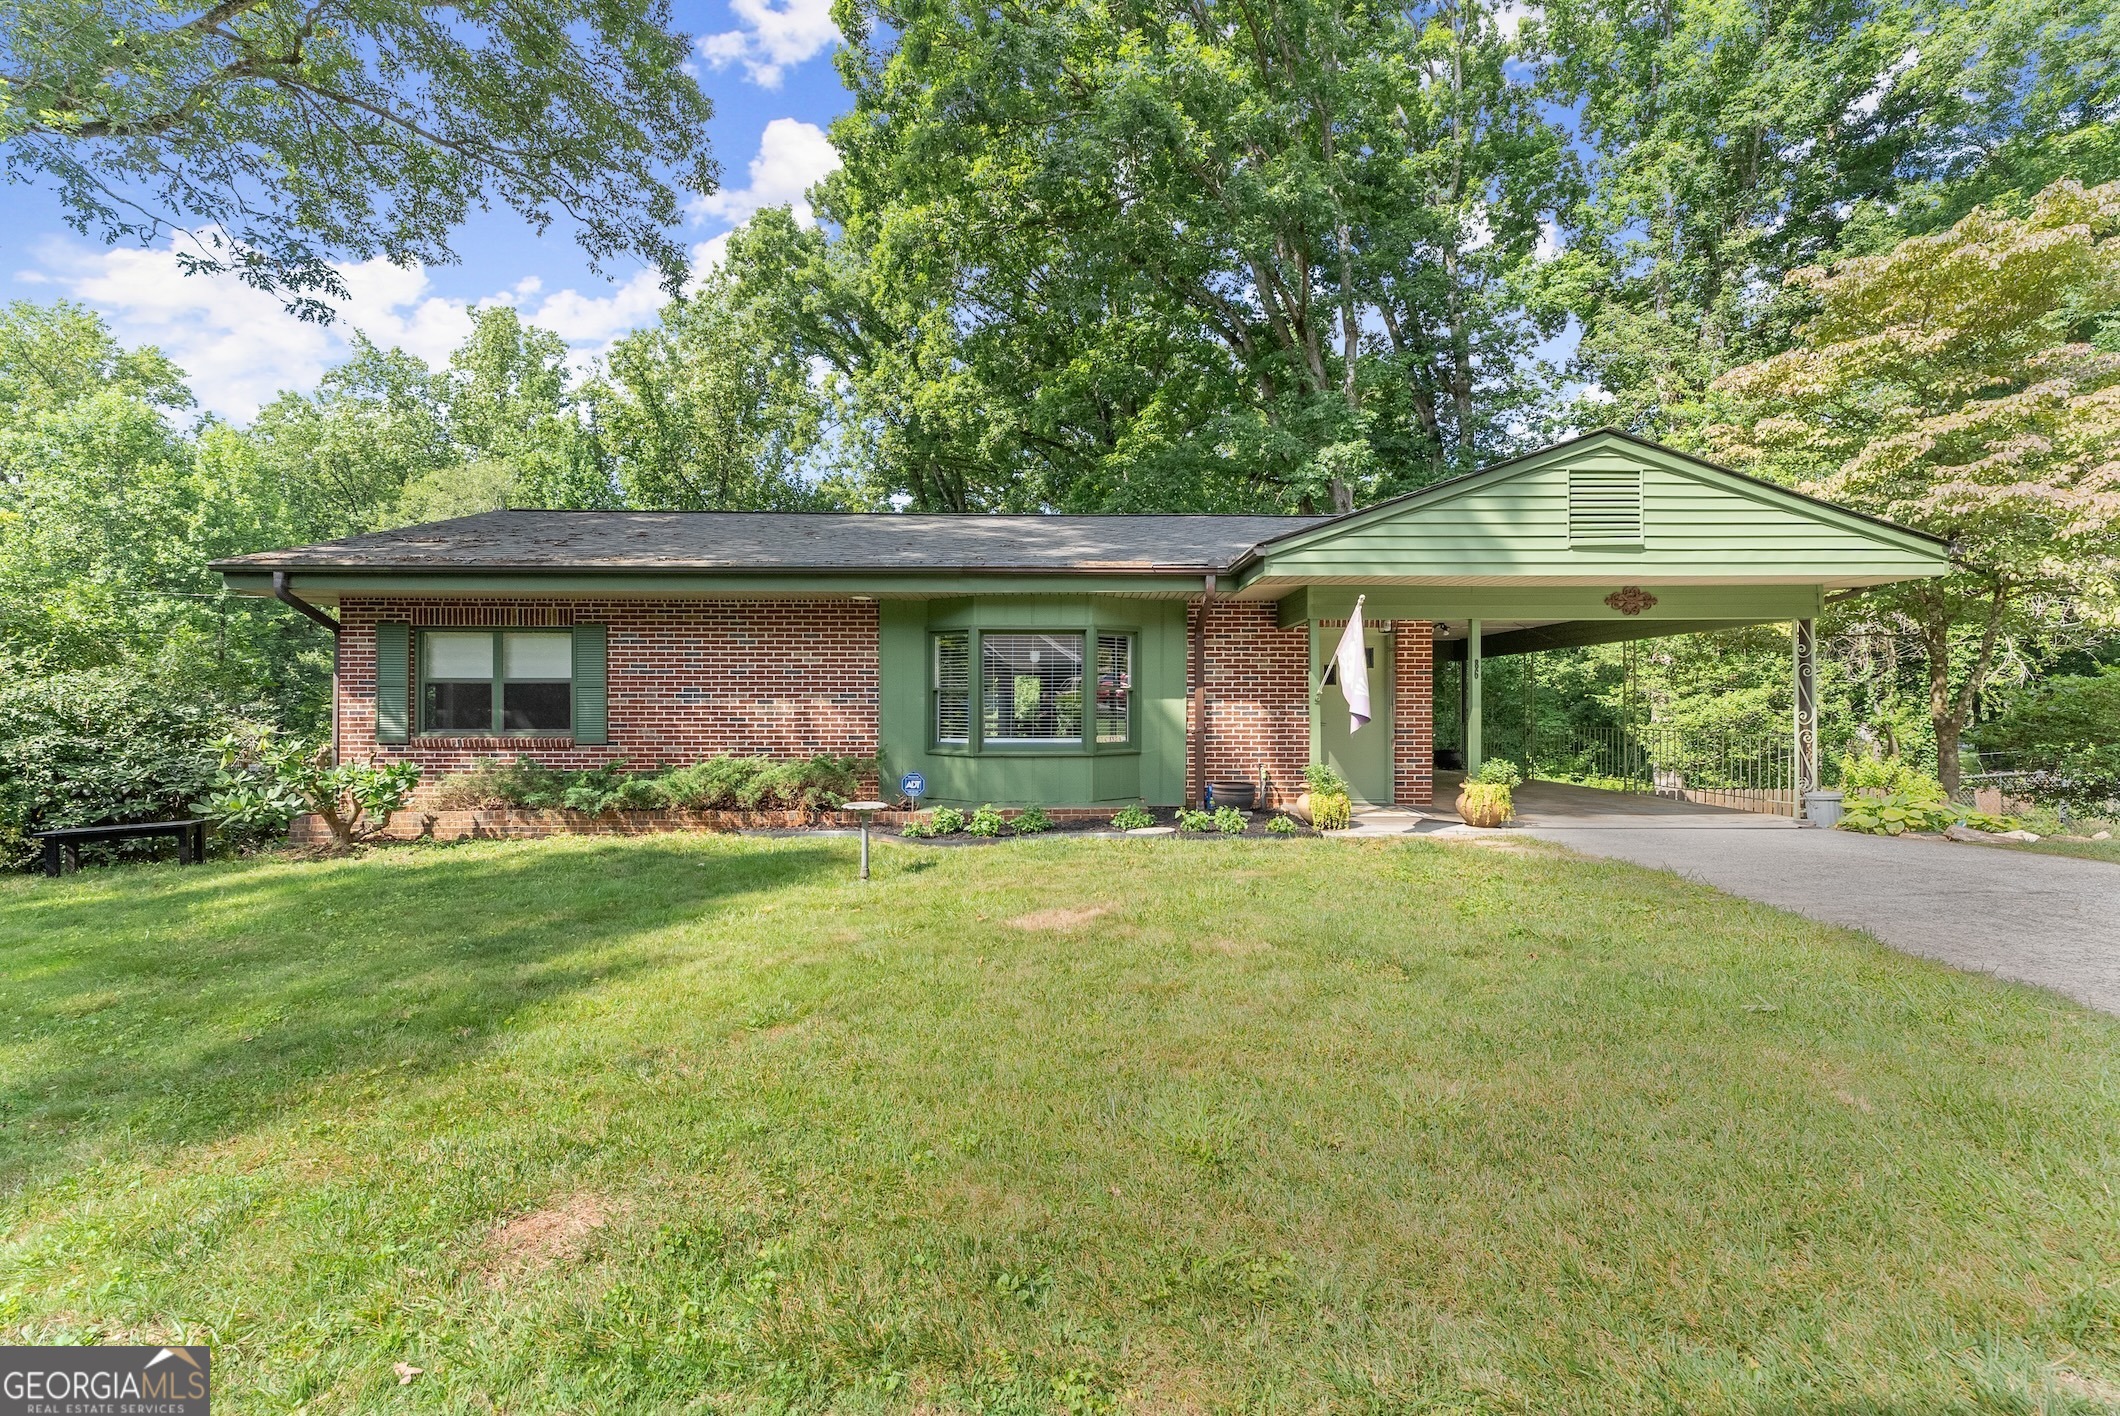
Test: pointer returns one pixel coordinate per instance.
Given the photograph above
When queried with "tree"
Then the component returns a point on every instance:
(1967, 383)
(1733, 143)
(280, 136)
(708, 411)
(334, 462)
(1189, 255)
(517, 425)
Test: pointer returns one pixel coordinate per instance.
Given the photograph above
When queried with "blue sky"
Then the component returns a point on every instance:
(767, 65)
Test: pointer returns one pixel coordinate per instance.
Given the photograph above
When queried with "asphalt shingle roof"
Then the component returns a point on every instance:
(785, 541)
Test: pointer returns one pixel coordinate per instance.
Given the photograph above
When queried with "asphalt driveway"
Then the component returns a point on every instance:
(2040, 919)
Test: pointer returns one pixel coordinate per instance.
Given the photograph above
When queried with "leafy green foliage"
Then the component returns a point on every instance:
(1031, 821)
(1331, 811)
(1896, 814)
(2066, 731)
(1499, 772)
(1323, 777)
(723, 783)
(89, 746)
(1190, 820)
(1132, 818)
(1889, 776)
(1282, 826)
(986, 821)
(1953, 383)
(1230, 821)
(279, 136)
(1489, 801)
(267, 779)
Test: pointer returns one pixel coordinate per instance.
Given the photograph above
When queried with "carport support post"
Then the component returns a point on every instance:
(1804, 750)
(1472, 697)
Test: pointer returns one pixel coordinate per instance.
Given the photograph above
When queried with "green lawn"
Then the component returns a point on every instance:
(693, 1123)
(2082, 850)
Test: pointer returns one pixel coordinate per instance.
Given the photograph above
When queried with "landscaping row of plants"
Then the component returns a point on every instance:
(724, 783)
(1886, 797)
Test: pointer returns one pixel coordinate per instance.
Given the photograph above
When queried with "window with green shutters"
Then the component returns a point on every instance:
(529, 682)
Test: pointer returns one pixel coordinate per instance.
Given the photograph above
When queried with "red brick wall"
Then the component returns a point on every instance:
(1413, 714)
(1258, 697)
(686, 679)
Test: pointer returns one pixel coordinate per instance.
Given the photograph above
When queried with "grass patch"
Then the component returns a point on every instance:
(685, 1122)
(2108, 851)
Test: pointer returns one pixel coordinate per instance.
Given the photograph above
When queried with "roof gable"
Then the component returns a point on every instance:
(1600, 508)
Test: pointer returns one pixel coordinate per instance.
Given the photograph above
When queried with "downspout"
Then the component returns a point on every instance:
(1197, 789)
(286, 596)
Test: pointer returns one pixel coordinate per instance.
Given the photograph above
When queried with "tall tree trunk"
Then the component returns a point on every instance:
(1949, 712)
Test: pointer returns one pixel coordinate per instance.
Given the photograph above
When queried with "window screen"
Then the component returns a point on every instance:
(483, 680)
(1115, 687)
(953, 688)
(1030, 687)
(457, 679)
(537, 682)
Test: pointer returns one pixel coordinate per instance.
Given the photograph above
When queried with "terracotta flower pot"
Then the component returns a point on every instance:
(1488, 810)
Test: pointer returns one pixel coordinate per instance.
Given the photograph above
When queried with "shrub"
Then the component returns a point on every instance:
(1324, 780)
(611, 788)
(1189, 820)
(1481, 798)
(1282, 826)
(1888, 776)
(947, 820)
(267, 780)
(1230, 821)
(492, 783)
(716, 784)
(985, 822)
(101, 745)
(1031, 821)
(1331, 811)
(1132, 818)
(1499, 772)
(1897, 814)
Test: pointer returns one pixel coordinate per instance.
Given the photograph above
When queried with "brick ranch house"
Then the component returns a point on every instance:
(1058, 660)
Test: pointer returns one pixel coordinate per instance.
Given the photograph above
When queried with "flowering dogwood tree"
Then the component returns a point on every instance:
(1966, 383)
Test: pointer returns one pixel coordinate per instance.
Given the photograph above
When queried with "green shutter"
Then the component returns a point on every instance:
(393, 661)
(589, 716)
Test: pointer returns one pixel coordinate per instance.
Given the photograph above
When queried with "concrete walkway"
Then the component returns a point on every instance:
(2040, 919)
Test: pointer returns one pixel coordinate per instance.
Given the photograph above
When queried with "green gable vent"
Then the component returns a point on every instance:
(1604, 506)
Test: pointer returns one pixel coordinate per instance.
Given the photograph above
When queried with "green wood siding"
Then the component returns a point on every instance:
(1151, 766)
(393, 682)
(1697, 522)
(590, 715)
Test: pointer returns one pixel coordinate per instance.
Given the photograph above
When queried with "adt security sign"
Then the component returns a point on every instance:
(913, 785)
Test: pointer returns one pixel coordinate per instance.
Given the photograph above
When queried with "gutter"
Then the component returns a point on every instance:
(1197, 789)
(286, 596)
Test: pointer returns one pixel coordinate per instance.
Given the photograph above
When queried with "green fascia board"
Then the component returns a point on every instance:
(1910, 553)
(329, 584)
(1744, 604)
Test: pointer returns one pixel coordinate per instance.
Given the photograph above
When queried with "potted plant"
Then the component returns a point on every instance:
(1326, 805)
(1487, 796)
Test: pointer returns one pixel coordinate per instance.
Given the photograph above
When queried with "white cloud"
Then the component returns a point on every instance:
(774, 37)
(241, 348)
(792, 156)
(1548, 245)
(1867, 105)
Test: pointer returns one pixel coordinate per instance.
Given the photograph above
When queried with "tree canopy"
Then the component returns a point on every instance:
(277, 137)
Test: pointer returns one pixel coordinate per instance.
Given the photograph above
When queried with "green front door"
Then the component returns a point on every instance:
(1363, 757)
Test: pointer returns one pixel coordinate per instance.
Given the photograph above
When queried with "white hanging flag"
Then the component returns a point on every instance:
(1354, 670)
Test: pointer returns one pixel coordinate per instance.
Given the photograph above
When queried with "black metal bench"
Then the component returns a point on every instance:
(191, 840)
